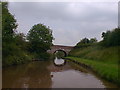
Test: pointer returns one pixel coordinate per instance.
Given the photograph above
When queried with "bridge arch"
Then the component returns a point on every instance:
(64, 49)
(65, 53)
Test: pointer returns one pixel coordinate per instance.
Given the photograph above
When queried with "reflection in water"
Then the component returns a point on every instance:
(32, 75)
(59, 62)
(41, 74)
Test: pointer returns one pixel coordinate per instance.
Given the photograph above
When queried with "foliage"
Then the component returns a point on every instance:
(59, 54)
(20, 41)
(93, 40)
(8, 23)
(13, 45)
(85, 42)
(16, 50)
(40, 40)
(111, 38)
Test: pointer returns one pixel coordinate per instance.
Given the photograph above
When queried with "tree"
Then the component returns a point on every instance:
(20, 41)
(111, 38)
(8, 23)
(40, 38)
(13, 44)
(105, 35)
(93, 40)
(8, 27)
(85, 41)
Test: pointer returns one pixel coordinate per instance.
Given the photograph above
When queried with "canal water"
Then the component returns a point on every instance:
(58, 73)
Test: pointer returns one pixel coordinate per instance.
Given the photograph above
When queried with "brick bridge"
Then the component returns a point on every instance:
(65, 49)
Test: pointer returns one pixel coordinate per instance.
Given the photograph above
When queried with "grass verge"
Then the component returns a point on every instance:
(105, 70)
(97, 53)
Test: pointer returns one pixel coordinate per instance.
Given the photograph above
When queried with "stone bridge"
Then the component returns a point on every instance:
(65, 49)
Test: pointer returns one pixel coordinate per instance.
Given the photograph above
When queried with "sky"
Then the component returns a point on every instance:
(69, 21)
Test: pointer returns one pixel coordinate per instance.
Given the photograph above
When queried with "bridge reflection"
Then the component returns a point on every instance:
(59, 62)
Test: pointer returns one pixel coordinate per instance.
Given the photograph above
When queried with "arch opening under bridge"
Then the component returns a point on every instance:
(65, 54)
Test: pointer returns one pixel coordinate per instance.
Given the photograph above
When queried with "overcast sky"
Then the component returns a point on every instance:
(70, 22)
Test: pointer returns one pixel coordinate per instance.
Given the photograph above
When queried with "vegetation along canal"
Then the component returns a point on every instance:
(55, 73)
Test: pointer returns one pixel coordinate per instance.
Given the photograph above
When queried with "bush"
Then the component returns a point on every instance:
(111, 38)
(42, 56)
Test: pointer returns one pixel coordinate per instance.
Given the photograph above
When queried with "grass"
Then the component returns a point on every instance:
(107, 71)
(103, 60)
(109, 55)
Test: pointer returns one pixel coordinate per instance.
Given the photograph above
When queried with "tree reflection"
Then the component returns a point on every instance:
(32, 75)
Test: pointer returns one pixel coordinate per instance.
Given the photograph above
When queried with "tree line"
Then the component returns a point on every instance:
(18, 48)
(111, 38)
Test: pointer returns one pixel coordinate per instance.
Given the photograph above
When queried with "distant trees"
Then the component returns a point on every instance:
(40, 39)
(111, 38)
(85, 42)
(93, 40)
(60, 54)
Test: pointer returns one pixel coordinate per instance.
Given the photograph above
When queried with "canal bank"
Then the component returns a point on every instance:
(107, 71)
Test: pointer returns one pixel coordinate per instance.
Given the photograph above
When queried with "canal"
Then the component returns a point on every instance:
(57, 73)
